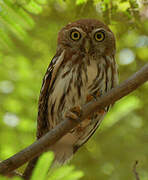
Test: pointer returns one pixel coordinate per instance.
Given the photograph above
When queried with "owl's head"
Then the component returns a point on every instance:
(87, 36)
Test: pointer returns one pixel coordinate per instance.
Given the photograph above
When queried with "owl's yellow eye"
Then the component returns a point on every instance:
(99, 36)
(75, 35)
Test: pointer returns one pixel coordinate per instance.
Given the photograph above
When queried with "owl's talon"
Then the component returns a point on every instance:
(76, 109)
(98, 93)
(101, 111)
(71, 115)
(74, 113)
(89, 98)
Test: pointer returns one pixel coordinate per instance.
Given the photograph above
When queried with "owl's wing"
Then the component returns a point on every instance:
(42, 121)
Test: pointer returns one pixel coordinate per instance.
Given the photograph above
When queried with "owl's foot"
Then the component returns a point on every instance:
(74, 113)
(90, 97)
(101, 111)
(93, 96)
(99, 93)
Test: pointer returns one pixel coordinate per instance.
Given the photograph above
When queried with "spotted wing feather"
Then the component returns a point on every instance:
(42, 120)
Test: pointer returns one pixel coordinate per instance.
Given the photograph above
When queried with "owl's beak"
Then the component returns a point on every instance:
(87, 45)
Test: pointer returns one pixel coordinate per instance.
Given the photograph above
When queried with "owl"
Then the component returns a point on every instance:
(82, 69)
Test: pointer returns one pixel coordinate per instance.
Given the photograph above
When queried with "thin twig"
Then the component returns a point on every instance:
(66, 125)
(135, 170)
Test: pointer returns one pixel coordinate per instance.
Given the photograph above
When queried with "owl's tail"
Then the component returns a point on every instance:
(63, 151)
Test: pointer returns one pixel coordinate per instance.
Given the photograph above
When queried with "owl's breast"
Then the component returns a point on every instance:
(74, 84)
(81, 79)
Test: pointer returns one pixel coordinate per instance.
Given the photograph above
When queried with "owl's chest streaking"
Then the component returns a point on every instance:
(75, 82)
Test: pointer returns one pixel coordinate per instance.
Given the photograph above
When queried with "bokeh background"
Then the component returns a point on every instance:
(28, 33)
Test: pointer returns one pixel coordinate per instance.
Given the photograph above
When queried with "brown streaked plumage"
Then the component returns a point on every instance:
(84, 67)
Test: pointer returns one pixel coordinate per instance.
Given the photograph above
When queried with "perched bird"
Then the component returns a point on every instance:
(83, 68)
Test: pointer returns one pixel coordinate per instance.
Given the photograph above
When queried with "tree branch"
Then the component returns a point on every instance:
(66, 125)
(135, 171)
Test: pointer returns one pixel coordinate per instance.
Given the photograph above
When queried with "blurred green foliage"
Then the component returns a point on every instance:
(65, 172)
(28, 33)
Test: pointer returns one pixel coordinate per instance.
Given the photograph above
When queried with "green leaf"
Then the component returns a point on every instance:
(41, 1)
(66, 173)
(4, 178)
(42, 167)
(26, 18)
(16, 178)
(13, 26)
(61, 172)
(13, 14)
(5, 41)
(33, 7)
(124, 6)
(78, 2)
(74, 175)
